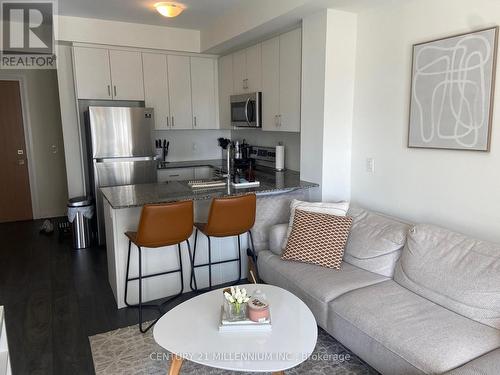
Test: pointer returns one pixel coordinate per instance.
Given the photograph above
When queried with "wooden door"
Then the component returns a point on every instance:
(290, 80)
(156, 88)
(179, 87)
(126, 75)
(92, 73)
(203, 92)
(15, 197)
(270, 84)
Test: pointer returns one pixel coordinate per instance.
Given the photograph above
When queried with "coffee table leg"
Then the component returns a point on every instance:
(175, 365)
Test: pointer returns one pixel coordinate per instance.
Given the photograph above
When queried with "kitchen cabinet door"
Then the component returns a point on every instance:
(225, 90)
(126, 75)
(203, 92)
(156, 88)
(254, 68)
(270, 84)
(239, 72)
(175, 174)
(92, 73)
(290, 47)
(179, 88)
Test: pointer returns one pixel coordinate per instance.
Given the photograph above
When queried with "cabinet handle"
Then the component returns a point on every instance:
(276, 120)
(173, 175)
(195, 121)
(114, 89)
(173, 124)
(279, 122)
(109, 90)
(168, 125)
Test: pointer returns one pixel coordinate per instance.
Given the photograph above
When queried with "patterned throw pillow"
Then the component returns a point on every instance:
(318, 238)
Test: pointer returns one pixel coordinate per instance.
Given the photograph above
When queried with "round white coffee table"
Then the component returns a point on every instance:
(190, 331)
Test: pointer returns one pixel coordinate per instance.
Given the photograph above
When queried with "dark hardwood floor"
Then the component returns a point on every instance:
(54, 298)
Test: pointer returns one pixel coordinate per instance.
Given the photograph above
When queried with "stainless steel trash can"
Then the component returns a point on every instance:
(80, 212)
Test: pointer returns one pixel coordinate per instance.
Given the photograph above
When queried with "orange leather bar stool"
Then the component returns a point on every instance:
(160, 225)
(227, 217)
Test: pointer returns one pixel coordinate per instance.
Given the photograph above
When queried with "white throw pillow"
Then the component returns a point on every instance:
(335, 208)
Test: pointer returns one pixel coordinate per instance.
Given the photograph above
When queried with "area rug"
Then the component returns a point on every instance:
(127, 351)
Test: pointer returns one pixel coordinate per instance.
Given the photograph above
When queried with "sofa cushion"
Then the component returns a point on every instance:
(277, 235)
(375, 241)
(335, 208)
(455, 271)
(318, 239)
(314, 285)
(488, 364)
(401, 326)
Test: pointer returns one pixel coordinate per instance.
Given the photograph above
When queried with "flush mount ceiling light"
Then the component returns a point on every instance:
(168, 9)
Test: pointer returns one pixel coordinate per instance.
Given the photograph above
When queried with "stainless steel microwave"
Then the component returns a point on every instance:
(246, 110)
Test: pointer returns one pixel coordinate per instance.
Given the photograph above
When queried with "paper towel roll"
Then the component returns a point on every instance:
(280, 157)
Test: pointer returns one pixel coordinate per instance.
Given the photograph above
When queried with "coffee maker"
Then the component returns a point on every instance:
(243, 165)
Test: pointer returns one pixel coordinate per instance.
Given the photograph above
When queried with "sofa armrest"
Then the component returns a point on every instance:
(487, 364)
(277, 236)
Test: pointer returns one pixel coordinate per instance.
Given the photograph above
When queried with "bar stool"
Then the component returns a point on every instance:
(159, 225)
(227, 217)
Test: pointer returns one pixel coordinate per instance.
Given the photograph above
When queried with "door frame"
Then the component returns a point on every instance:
(28, 138)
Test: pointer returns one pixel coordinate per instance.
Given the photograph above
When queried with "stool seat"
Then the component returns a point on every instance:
(227, 217)
(132, 236)
(160, 225)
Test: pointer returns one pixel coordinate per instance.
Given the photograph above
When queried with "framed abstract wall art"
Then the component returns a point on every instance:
(452, 87)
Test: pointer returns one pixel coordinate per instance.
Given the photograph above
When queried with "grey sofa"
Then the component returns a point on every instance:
(408, 299)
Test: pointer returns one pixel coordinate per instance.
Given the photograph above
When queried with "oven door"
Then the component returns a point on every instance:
(245, 110)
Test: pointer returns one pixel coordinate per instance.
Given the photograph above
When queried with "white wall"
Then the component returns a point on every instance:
(91, 30)
(70, 127)
(328, 60)
(44, 121)
(257, 137)
(455, 189)
(192, 144)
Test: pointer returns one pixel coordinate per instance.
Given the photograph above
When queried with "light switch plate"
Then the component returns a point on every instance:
(370, 165)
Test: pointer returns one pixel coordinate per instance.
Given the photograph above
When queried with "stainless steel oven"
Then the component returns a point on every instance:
(246, 110)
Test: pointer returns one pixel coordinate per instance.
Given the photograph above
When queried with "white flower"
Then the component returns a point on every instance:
(232, 291)
(229, 297)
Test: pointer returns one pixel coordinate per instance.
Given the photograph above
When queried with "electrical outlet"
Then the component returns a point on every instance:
(370, 165)
(195, 147)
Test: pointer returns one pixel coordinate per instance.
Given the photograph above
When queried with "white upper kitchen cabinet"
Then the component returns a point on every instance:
(126, 75)
(92, 73)
(225, 90)
(156, 88)
(254, 68)
(179, 86)
(239, 72)
(271, 84)
(203, 90)
(290, 47)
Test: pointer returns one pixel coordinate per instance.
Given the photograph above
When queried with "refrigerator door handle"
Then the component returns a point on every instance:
(114, 160)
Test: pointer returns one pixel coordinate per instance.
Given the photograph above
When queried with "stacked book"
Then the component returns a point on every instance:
(244, 325)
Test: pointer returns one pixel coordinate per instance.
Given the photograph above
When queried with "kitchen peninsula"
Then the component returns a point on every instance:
(122, 208)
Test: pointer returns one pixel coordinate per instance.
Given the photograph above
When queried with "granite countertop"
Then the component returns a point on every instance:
(271, 182)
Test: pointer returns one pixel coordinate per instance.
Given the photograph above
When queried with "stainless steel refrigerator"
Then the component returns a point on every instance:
(121, 150)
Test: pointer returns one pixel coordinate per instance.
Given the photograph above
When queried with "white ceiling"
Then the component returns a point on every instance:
(198, 15)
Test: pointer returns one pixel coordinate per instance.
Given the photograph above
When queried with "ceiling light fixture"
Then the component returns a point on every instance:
(168, 9)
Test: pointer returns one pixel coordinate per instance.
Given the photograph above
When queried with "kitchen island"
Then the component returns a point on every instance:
(122, 208)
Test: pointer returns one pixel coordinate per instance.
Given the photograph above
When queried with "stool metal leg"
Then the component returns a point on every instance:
(140, 305)
(254, 255)
(192, 258)
(209, 263)
(239, 259)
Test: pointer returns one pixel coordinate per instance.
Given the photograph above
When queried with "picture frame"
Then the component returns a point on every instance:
(452, 91)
